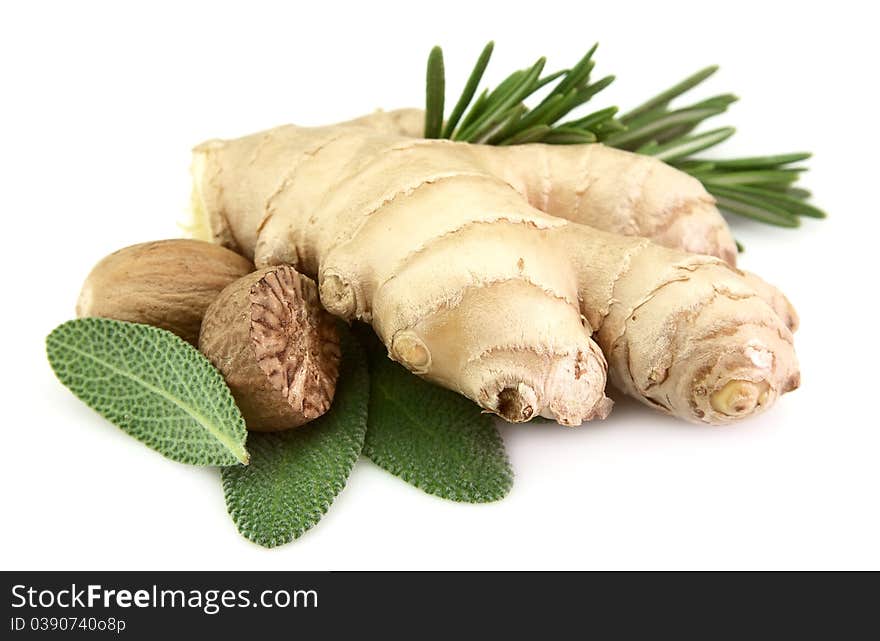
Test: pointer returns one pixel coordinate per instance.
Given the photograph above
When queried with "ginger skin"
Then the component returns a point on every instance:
(474, 288)
(684, 333)
(599, 186)
(609, 189)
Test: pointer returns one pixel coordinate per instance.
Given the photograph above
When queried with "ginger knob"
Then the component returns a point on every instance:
(276, 346)
(739, 398)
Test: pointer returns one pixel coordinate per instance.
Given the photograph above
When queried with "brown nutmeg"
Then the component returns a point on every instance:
(276, 346)
(166, 283)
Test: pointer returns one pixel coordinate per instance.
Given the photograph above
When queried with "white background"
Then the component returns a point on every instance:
(100, 106)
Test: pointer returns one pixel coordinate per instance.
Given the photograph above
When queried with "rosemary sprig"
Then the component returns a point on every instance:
(762, 188)
(469, 90)
(435, 92)
(498, 110)
(662, 100)
(682, 148)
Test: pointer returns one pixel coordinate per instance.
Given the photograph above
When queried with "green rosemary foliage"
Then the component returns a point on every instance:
(761, 188)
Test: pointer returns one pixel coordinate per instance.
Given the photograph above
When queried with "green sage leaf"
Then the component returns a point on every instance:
(295, 475)
(153, 385)
(431, 437)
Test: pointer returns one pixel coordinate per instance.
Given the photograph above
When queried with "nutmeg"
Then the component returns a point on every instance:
(166, 283)
(277, 348)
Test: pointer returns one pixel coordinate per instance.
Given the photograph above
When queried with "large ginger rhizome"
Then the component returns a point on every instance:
(466, 261)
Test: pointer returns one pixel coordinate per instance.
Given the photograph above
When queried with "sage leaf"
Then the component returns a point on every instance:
(295, 475)
(431, 437)
(153, 385)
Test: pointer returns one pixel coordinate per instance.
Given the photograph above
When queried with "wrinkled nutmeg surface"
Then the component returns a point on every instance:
(276, 346)
(166, 283)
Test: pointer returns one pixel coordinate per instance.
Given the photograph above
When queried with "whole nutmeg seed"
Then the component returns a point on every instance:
(277, 348)
(166, 283)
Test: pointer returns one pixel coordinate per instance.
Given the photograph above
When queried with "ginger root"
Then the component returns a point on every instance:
(595, 185)
(609, 189)
(684, 333)
(474, 288)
